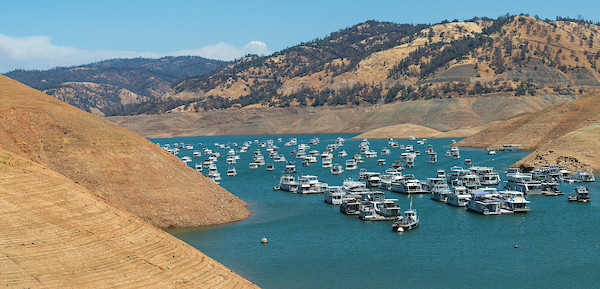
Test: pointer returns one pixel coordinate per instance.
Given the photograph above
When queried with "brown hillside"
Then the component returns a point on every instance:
(114, 163)
(400, 131)
(577, 149)
(566, 129)
(439, 114)
(56, 234)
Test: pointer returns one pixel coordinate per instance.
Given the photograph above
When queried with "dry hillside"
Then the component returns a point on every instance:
(509, 56)
(554, 133)
(118, 165)
(468, 114)
(57, 234)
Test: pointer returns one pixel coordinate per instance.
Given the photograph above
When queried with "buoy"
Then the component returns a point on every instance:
(516, 246)
(264, 240)
(400, 229)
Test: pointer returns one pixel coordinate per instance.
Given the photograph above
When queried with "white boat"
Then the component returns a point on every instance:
(288, 183)
(280, 159)
(409, 221)
(581, 194)
(371, 179)
(459, 197)
(309, 184)
(342, 153)
(351, 165)
(370, 154)
(253, 166)
(583, 176)
(523, 182)
(491, 152)
(455, 153)
(358, 159)
(408, 185)
(385, 152)
(397, 165)
(388, 177)
(198, 167)
(514, 201)
(381, 162)
(334, 195)
(231, 172)
(337, 169)
(350, 206)
(487, 175)
(270, 167)
(290, 168)
(484, 203)
(327, 163)
(311, 159)
(439, 189)
(441, 174)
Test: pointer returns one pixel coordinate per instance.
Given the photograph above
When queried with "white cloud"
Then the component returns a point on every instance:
(38, 52)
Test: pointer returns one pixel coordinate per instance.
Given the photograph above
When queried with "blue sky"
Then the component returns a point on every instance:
(44, 34)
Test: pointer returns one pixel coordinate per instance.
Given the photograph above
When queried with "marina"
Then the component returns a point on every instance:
(442, 226)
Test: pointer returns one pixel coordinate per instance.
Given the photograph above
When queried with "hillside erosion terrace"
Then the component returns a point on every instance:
(114, 163)
(57, 234)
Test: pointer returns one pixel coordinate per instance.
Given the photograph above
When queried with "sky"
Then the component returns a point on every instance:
(44, 34)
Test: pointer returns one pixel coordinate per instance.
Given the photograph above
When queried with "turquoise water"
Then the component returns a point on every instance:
(312, 245)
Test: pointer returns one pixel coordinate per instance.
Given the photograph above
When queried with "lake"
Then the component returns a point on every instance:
(313, 245)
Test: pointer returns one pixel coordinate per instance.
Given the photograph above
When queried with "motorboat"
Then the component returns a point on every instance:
(523, 182)
(371, 179)
(388, 177)
(253, 166)
(514, 201)
(487, 175)
(351, 165)
(342, 153)
(309, 184)
(439, 190)
(381, 162)
(581, 194)
(326, 163)
(288, 183)
(231, 172)
(582, 176)
(484, 203)
(459, 197)
(350, 206)
(407, 222)
(290, 168)
(270, 167)
(337, 169)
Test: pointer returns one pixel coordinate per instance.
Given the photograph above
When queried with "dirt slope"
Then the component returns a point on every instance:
(113, 162)
(557, 134)
(56, 234)
(400, 131)
(439, 114)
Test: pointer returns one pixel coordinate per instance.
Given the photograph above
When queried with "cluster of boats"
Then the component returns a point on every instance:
(473, 188)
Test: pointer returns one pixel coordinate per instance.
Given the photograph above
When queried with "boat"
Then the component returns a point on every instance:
(491, 152)
(407, 222)
(441, 174)
(439, 189)
(198, 167)
(370, 154)
(326, 163)
(484, 203)
(388, 177)
(551, 188)
(385, 151)
(305, 163)
(371, 179)
(337, 169)
(288, 183)
(582, 176)
(342, 153)
(290, 168)
(523, 182)
(397, 165)
(309, 184)
(459, 197)
(455, 153)
(468, 162)
(581, 194)
(253, 166)
(381, 162)
(408, 185)
(231, 172)
(487, 175)
(514, 201)
(270, 167)
(350, 206)
(334, 195)
(351, 165)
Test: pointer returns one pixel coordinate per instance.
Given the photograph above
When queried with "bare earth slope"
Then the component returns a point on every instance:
(113, 162)
(56, 234)
(439, 114)
(568, 130)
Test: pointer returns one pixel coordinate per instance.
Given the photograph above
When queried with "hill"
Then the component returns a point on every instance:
(57, 234)
(378, 62)
(105, 87)
(564, 134)
(445, 115)
(114, 163)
